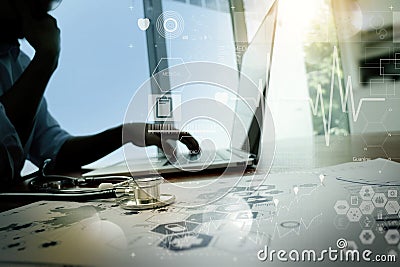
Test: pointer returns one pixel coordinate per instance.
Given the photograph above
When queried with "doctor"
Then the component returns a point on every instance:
(27, 129)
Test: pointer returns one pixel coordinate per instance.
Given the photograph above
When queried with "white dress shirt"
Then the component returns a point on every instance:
(46, 137)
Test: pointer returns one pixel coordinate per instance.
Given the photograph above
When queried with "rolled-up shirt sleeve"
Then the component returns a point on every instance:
(11, 151)
(48, 137)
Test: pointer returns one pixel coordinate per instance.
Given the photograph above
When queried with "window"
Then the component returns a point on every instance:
(321, 56)
(304, 46)
(103, 61)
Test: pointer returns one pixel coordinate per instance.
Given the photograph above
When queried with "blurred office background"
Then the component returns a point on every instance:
(106, 57)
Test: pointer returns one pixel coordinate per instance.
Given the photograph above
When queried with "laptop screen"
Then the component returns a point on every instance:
(256, 63)
(214, 102)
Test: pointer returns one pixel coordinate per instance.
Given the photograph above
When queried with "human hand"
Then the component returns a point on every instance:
(143, 134)
(41, 32)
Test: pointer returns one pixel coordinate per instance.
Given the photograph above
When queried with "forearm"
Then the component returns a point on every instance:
(22, 100)
(82, 150)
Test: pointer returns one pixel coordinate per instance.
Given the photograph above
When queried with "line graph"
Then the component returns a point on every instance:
(277, 233)
(344, 98)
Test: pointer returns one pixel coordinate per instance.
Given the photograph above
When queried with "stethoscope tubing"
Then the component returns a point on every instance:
(60, 196)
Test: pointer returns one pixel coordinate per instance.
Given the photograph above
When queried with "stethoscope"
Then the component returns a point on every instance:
(130, 193)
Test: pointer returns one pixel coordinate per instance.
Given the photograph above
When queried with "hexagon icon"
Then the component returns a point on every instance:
(174, 228)
(168, 77)
(366, 192)
(354, 214)
(367, 222)
(374, 127)
(392, 237)
(367, 207)
(341, 222)
(380, 228)
(341, 207)
(379, 200)
(367, 237)
(392, 193)
(354, 200)
(392, 207)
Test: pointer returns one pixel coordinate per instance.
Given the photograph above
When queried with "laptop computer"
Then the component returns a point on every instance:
(249, 114)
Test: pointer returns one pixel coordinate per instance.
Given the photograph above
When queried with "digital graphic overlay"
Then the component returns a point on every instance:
(170, 24)
(218, 123)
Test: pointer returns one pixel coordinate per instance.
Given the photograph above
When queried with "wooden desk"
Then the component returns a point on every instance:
(308, 153)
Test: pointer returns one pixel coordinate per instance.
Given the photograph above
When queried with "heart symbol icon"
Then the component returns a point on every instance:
(143, 24)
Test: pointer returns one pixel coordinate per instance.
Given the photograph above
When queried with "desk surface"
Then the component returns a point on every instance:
(309, 153)
(232, 222)
(202, 228)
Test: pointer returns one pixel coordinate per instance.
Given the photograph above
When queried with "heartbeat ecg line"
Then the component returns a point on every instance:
(319, 102)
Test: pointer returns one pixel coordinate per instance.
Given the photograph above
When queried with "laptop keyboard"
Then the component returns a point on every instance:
(202, 157)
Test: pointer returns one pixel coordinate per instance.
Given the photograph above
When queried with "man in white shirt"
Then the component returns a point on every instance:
(27, 130)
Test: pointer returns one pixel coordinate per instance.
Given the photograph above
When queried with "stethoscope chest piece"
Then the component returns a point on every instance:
(144, 193)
